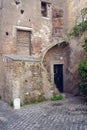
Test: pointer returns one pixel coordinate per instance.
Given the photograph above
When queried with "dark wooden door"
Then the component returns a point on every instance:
(58, 76)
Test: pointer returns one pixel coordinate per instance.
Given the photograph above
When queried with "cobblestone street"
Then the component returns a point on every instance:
(69, 114)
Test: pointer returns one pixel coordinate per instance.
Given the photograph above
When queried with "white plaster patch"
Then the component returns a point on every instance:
(19, 21)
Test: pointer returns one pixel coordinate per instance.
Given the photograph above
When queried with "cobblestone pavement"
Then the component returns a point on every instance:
(68, 114)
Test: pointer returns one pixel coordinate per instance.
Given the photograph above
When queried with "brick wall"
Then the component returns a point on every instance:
(25, 79)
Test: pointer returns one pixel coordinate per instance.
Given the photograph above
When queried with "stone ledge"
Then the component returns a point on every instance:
(22, 58)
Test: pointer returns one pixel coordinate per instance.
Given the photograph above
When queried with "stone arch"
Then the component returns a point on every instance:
(56, 54)
(49, 47)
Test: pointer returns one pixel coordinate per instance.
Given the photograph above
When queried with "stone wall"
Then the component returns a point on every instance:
(76, 56)
(41, 27)
(26, 79)
(2, 78)
(32, 80)
(58, 55)
(77, 53)
(74, 11)
(69, 56)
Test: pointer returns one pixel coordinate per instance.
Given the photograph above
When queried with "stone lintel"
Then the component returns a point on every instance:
(23, 28)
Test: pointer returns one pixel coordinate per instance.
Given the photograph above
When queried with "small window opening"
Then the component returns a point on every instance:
(44, 9)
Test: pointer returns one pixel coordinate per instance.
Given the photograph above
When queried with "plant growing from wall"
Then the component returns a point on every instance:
(82, 71)
(85, 46)
(78, 30)
(84, 13)
(57, 97)
(80, 27)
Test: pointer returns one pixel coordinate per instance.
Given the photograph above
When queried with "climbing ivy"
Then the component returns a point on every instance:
(84, 12)
(81, 27)
(82, 71)
(85, 46)
(78, 30)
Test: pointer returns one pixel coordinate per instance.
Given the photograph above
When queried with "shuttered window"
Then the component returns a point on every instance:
(23, 42)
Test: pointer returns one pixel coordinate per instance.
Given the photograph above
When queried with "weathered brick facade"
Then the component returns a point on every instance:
(30, 34)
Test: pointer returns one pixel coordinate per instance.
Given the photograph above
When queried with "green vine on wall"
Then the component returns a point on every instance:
(79, 30)
(81, 27)
(84, 12)
(85, 46)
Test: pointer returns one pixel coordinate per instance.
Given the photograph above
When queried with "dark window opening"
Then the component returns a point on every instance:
(44, 9)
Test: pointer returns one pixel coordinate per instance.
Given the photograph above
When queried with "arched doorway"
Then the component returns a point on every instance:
(56, 63)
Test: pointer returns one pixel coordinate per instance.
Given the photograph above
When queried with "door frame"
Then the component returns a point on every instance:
(58, 68)
(52, 63)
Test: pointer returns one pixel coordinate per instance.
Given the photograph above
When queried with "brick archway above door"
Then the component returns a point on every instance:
(57, 55)
(49, 47)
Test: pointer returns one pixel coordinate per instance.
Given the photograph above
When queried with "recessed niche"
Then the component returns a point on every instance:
(7, 33)
(0, 97)
(22, 11)
(48, 5)
(26, 81)
(17, 2)
(29, 20)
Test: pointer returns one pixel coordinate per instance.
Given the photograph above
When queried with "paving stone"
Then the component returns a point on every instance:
(68, 114)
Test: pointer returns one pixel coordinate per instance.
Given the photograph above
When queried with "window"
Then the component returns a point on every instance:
(44, 9)
(23, 42)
